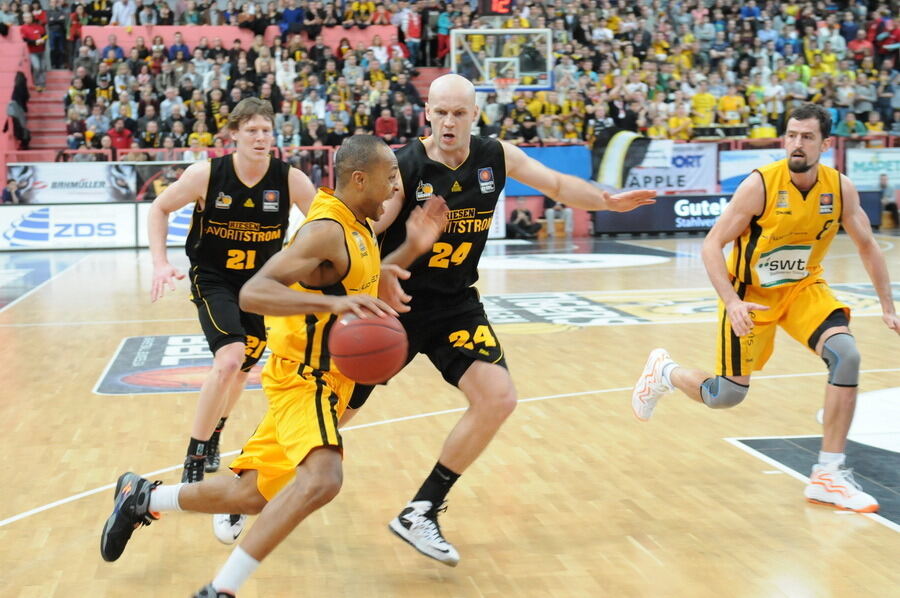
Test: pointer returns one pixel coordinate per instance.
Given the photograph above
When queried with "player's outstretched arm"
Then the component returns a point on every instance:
(568, 189)
(748, 201)
(317, 258)
(856, 223)
(190, 186)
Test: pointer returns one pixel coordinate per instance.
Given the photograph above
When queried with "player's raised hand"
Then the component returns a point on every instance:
(739, 316)
(389, 289)
(163, 275)
(629, 200)
(426, 223)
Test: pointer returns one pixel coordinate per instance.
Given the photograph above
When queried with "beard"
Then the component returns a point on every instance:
(799, 165)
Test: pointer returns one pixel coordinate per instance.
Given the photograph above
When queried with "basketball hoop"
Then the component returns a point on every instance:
(506, 88)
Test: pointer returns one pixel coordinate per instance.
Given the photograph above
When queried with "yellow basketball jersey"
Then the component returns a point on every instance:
(304, 338)
(785, 245)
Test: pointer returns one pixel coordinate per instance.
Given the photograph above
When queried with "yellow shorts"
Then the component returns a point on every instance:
(304, 408)
(799, 309)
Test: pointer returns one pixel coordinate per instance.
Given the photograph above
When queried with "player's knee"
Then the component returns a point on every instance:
(497, 400)
(507, 401)
(722, 393)
(252, 502)
(321, 488)
(229, 360)
(840, 354)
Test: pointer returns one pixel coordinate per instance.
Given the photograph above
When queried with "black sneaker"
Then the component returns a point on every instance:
(193, 469)
(210, 592)
(212, 453)
(130, 511)
(418, 525)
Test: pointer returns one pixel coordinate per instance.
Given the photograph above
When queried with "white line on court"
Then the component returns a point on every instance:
(87, 493)
(54, 277)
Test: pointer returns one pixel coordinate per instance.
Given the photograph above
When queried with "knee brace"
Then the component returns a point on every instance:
(722, 393)
(840, 354)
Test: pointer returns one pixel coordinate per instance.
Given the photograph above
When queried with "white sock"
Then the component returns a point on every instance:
(165, 498)
(235, 571)
(667, 374)
(832, 458)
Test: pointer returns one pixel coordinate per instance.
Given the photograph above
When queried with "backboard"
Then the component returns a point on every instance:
(483, 55)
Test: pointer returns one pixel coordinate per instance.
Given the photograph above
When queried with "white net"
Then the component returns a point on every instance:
(506, 88)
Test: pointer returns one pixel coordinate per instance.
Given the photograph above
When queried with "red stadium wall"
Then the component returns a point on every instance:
(125, 36)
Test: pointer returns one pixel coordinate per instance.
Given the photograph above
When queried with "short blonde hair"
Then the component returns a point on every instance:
(247, 109)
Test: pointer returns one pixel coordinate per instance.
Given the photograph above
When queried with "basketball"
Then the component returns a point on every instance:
(368, 350)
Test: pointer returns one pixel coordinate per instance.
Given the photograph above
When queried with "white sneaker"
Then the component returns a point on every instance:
(418, 525)
(651, 385)
(834, 485)
(228, 527)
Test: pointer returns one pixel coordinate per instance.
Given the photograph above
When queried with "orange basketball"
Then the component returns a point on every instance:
(368, 350)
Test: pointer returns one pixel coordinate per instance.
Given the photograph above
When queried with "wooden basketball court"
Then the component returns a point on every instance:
(575, 498)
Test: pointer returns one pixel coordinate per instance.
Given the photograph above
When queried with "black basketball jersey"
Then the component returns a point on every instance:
(240, 227)
(471, 191)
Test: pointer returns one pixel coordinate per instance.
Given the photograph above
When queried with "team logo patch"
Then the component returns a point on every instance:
(456, 188)
(826, 203)
(424, 191)
(782, 200)
(249, 203)
(223, 202)
(486, 179)
(361, 243)
(271, 200)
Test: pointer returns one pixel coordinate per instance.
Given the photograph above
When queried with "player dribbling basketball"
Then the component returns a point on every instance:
(331, 267)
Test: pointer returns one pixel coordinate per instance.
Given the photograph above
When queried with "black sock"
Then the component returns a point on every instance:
(197, 448)
(436, 486)
(220, 425)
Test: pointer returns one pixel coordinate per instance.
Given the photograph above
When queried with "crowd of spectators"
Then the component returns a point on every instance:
(708, 69)
(672, 70)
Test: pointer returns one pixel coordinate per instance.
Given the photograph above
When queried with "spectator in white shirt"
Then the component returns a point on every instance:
(123, 13)
(313, 105)
(172, 99)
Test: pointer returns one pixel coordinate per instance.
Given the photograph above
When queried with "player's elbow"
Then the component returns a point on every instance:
(249, 298)
(712, 247)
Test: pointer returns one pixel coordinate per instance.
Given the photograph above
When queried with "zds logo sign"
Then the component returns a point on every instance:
(38, 228)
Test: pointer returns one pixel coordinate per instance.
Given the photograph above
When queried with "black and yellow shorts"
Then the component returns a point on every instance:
(304, 408)
(453, 336)
(221, 318)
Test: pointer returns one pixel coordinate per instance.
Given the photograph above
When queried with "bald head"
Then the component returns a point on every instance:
(452, 111)
(452, 86)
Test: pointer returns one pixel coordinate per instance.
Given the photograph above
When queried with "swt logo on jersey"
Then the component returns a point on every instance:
(826, 203)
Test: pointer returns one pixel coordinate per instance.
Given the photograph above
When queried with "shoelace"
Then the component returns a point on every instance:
(430, 525)
(847, 474)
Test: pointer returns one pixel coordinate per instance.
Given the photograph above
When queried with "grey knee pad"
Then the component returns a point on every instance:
(722, 393)
(842, 357)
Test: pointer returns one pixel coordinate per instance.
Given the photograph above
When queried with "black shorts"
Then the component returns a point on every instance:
(452, 337)
(221, 318)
